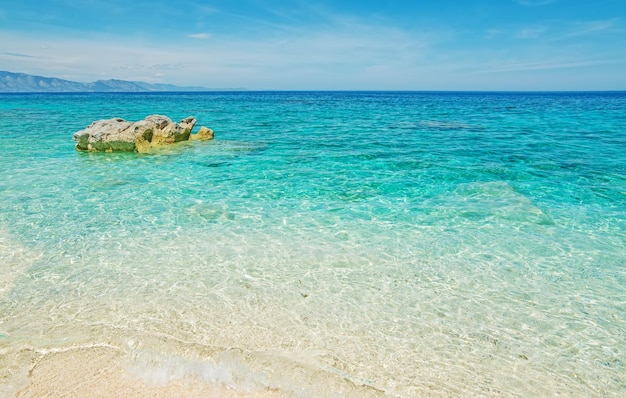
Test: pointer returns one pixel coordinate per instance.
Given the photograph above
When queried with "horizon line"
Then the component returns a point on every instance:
(245, 90)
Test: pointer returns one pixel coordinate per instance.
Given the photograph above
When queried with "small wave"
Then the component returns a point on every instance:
(434, 125)
(252, 373)
(445, 125)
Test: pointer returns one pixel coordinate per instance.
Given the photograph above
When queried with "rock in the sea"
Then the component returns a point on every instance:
(119, 135)
(203, 134)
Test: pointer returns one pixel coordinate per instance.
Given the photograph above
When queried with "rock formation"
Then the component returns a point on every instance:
(119, 135)
(203, 134)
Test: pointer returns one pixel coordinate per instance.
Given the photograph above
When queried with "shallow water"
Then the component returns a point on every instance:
(324, 244)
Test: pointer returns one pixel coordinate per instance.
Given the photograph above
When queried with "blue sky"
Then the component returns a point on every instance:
(322, 45)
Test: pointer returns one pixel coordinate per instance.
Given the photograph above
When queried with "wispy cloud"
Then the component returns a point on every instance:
(542, 65)
(19, 55)
(161, 67)
(203, 9)
(535, 3)
(493, 33)
(587, 27)
(559, 30)
(202, 35)
(530, 32)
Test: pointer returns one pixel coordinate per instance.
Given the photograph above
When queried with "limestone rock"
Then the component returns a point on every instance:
(119, 135)
(202, 135)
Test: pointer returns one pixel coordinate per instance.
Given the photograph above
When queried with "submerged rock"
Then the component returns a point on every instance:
(119, 135)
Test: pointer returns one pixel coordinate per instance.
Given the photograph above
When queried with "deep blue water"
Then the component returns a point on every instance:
(463, 243)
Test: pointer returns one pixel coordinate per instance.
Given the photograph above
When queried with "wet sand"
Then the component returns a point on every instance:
(104, 372)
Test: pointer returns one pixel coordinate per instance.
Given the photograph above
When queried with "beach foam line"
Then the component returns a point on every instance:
(104, 370)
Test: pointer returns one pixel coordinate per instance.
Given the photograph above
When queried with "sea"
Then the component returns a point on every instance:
(324, 244)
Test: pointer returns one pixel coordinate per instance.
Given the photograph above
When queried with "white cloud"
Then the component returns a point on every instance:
(203, 35)
(535, 3)
(203, 9)
(587, 27)
(530, 32)
(542, 65)
(493, 33)
(19, 55)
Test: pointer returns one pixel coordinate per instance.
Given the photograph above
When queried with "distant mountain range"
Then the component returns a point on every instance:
(22, 83)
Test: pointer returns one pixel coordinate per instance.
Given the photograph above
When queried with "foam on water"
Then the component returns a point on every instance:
(313, 258)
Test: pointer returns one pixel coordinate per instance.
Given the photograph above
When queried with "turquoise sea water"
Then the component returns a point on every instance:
(325, 244)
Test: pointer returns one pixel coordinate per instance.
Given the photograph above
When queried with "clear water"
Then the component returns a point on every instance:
(324, 244)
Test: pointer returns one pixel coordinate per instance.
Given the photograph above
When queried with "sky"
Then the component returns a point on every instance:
(322, 44)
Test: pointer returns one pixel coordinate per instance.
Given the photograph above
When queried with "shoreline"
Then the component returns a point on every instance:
(104, 370)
